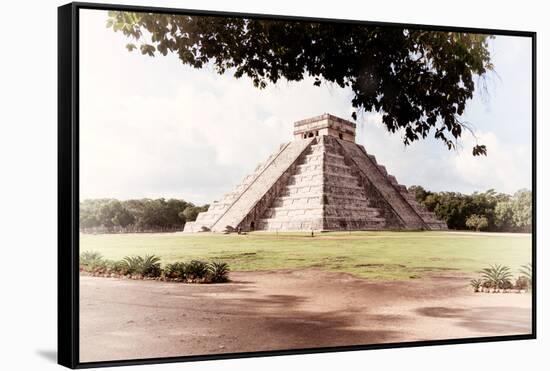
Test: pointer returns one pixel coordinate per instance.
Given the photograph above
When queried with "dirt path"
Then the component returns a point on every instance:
(124, 319)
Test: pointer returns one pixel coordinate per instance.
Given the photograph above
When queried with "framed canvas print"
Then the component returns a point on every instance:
(236, 185)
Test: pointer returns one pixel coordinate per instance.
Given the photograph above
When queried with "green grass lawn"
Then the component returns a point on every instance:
(379, 255)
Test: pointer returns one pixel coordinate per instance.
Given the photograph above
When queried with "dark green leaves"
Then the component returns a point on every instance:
(479, 150)
(419, 80)
(147, 49)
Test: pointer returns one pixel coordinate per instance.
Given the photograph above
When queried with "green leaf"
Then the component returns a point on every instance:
(479, 150)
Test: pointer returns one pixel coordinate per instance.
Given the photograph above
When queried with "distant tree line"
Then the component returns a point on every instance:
(143, 215)
(481, 211)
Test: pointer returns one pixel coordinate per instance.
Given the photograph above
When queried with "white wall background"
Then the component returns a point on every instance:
(28, 181)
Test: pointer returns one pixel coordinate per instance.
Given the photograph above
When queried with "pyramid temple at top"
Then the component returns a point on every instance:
(320, 181)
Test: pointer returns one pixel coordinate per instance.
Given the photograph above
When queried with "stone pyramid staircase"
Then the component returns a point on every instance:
(323, 193)
(251, 196)
(322, 180)
(401, 202)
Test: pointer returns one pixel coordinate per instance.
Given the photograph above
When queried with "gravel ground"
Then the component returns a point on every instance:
(285, 309)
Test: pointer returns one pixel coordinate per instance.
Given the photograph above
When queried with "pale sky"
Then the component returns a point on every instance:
(152, 127)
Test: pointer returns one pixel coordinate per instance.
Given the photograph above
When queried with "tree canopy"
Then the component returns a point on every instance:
(420, 81)
(491, 211)
(143, 215)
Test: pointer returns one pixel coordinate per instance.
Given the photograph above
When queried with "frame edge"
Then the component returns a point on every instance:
(67, 279)
(68, 186)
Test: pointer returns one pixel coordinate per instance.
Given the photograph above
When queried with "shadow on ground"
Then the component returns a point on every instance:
(49, 355)
(493, 320)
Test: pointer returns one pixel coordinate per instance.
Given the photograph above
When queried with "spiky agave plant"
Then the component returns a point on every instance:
(476, 284)
(150, 266)
(175, 270)
(90, 257)
(147, 266)
(498, 276)
(196, 269)
(218, 272)
(116, 266)
(527, 271)
(132, 264)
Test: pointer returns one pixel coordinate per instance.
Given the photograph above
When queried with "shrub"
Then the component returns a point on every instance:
(486, 286)
(90, 258)
(477, 222)
(175, 270)
(507, 285)
(93, 262)
(151, 266)
(218, 272)
(97, 266)
(522, 283)
(527, 272)
(497, 276)
(116, 266)
(148, 266)
(132, 264)
(476, 285)
(196, 269)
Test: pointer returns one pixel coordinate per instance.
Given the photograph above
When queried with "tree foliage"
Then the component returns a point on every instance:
(144, 215)
(420, 81)
(501, 212)
(477, 222)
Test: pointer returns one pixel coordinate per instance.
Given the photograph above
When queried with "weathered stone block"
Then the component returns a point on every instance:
(322, 180)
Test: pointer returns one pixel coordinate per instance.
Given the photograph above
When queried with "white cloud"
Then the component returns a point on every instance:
(431, 165)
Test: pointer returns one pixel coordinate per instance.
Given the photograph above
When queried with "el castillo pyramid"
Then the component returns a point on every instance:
(320, 181)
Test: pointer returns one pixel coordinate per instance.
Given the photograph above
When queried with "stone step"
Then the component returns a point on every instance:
(344, 188)
(357, 224)
(320, 175)
(261, 185)
(350, 214)
(302, 201)
(352, 207)
(377, 175)
(309, 167)
(291, 225)
(293, 213)
(329, 199)
(320, 224)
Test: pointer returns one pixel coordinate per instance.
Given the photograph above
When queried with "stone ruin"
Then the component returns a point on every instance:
(321, 181)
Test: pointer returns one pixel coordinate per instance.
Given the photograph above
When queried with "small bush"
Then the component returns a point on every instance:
(175, 270)
(486, 286)
(148, 266)
(196, 269)
(93, 262)
(507, 285)
(218, 272)
(151, 266)
(132, 264)
(476, 285)
(522, 283)
(498, 276)
(90, 258)
(526, 271)
(116, 266)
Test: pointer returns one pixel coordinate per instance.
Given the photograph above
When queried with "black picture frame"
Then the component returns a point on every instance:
(68, 187)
